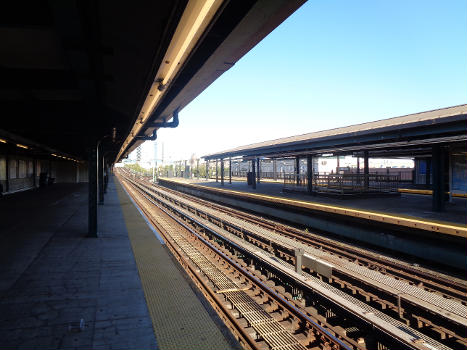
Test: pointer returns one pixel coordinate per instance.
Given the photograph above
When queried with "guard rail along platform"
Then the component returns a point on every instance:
(344, 184)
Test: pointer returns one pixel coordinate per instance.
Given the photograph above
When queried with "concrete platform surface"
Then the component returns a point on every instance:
(410, 205)
(52, 276)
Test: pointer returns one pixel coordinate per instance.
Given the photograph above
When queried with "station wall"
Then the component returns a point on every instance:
(25, 172)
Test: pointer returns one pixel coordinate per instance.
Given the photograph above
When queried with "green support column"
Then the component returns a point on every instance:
(100, 173)
(222, 172)
(438, 178)
(297, 170)
(274, 169)
(34, 172)
(258, 163)
(7, 169)
(92, 192)
(366, 171)
(253, 173)
(309, 172)
(358, 170)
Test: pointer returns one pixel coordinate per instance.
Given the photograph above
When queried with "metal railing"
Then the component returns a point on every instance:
(239, 173)
(263, 174)
(295, 182)
(270, 175)
(405, 175)
(344, 183)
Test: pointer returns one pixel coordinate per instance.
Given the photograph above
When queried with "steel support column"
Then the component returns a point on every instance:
(297, 170)
(438, 178)
(309, 173)
(92, 193)
(274, 169)
(222, 172)
(253, 173)
(366, 171)
(207, 170)
(428, 173)
(450, 180)
(34, 172)
(230, 170)
(358, 170)
(100, 174)
(217, 173)
(197, 169)
(7, 168)
(106, 177)
(258, 163)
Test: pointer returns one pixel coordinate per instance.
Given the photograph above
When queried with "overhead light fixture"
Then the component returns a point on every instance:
(205, 7)
(22, 146)
(195, 19)
(63, 157)
(2, 141)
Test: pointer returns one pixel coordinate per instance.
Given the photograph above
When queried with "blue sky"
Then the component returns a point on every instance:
(331, 64)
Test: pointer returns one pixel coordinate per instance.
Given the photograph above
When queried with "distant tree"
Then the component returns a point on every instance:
(139, 169)
(166, 170)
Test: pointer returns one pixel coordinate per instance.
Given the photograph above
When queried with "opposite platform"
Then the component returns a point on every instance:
(409, 210)
(436, 243)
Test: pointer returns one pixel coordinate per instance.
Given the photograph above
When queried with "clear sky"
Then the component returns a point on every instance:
(331, 64)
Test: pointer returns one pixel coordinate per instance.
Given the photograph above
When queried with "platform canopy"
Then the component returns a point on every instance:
(77, 73)
(408, 135)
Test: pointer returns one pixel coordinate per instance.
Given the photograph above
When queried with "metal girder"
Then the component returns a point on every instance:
(389, 147)
(394, 138)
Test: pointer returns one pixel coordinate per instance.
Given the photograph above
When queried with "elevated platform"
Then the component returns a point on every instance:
(404, 224)
(407, 208)
(62, 289)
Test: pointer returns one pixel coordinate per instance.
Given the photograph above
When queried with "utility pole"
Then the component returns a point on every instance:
(138, 153)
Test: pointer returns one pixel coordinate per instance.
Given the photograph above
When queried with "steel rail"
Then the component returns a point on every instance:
(429, 279)
(242, 337)
(446, 329)
(383, 332)
(420, 318)
(323, 332)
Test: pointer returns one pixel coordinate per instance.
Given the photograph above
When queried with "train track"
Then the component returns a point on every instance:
(436, 314)
(236, 294)
(429, 280)
(360, 321)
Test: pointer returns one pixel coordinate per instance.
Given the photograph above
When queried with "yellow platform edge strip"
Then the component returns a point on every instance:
(428, 192)
(439, 227)
(162, 290)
